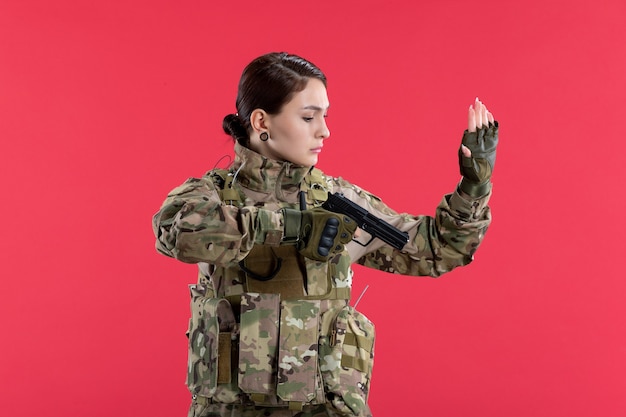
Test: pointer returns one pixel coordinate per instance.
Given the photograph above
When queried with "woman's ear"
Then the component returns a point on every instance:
(258, 120)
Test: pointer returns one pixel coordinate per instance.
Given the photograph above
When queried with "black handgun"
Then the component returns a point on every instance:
(367, 222)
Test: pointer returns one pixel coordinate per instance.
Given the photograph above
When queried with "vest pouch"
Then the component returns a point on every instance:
(211, 331)
(275, 270)
(299, 381)
(258, 345)
(346, 361)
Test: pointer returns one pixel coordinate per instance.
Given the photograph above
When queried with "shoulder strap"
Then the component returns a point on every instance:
(316, 187)
(223, 180)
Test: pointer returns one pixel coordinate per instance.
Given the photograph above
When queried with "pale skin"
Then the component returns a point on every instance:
(297, 133)
(477, 117)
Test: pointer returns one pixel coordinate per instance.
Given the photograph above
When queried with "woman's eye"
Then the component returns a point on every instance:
(307, 119)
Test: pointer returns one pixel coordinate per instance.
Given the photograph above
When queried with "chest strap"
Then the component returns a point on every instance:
(315, 188)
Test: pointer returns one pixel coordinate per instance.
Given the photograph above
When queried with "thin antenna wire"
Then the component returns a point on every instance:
(237, 172)
(361, 296)
(221, 159)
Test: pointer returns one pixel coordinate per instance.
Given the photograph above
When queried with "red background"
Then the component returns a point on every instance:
(106, 106)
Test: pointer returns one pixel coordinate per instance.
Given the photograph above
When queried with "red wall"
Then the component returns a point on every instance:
(106, 106)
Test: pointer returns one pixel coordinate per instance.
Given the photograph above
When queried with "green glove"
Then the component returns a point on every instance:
(318, 233)
(477, 169)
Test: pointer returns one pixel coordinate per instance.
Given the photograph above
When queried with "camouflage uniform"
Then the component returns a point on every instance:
(290, 345)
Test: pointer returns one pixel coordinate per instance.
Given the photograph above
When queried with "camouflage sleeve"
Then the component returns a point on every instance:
(194, 225)
(436, 245)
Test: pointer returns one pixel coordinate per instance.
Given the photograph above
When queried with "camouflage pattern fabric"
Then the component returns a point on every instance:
(223, 410)
(258, 343)
(346, 361)
(298, 379)
(310, 364)
(211, 320)
(195, 226)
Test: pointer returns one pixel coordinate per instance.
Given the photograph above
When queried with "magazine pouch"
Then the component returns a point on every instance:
(346, 361)
(258, 345)
(211, 331)
(298, 377)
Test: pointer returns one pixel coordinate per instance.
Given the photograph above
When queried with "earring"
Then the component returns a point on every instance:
(264, 136)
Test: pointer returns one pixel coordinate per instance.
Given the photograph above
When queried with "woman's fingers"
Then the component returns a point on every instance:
(480, 112)
(478, 116)
(471, 120)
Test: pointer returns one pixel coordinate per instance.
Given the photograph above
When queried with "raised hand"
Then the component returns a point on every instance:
(477, 154)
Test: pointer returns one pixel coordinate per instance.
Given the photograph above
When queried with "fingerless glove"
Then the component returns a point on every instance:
(317, 233)
(477, 169)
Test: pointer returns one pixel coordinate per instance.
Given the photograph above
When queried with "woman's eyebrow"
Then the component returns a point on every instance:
(316, 108)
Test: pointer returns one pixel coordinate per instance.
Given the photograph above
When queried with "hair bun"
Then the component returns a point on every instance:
(233, 126)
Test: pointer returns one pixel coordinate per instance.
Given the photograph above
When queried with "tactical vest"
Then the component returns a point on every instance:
(276, 330)
(281, 269)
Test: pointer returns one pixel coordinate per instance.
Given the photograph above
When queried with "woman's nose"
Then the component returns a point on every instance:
(324, 131)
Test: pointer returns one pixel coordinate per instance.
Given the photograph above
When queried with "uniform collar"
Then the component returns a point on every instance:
(258, 173)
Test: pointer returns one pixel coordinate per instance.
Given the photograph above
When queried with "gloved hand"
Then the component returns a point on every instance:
(477, 154)
(319, 233)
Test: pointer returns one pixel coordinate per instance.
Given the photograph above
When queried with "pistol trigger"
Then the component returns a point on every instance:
(363, 244)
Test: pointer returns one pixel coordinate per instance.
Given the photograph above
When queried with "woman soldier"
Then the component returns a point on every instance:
(271, 331)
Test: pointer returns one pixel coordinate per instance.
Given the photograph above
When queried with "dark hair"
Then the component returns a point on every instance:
(267, 83)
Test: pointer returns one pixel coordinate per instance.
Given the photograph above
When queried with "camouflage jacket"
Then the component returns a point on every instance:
(219, 227)
(194, 225)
